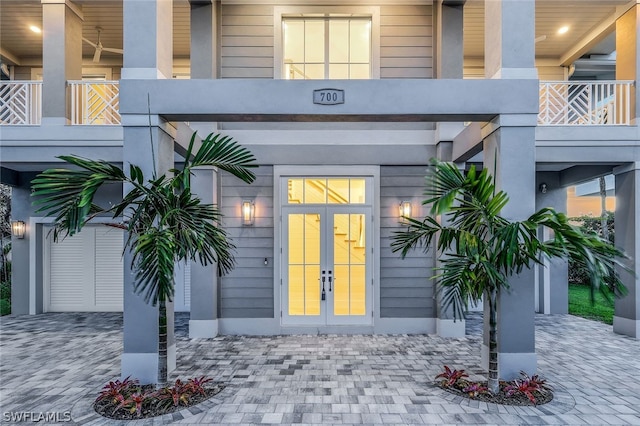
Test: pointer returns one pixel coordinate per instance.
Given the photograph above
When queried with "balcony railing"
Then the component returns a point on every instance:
(20, 102)
(595, 103)
(95, 102)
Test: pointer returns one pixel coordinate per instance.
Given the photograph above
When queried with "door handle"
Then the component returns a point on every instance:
(322, 279)
(330, 279)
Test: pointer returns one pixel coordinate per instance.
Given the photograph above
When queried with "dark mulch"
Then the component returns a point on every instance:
(542, 397)
(109, 409)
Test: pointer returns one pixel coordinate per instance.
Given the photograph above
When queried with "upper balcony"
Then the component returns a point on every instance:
(91, 102)
(562, 103)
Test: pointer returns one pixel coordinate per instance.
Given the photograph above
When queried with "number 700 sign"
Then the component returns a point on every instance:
(328, 96)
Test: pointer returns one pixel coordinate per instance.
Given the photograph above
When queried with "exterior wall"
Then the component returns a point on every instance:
(247, 292)
(405, 288)
(406, 42)
(248, 41)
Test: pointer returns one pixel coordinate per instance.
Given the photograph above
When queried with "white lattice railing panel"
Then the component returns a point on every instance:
(20, 102)
(95, 102)
(566, 103)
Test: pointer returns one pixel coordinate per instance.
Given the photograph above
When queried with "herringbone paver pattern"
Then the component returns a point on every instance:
(56, 363)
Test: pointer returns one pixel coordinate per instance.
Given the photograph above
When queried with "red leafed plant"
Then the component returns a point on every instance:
(474, 389)
(450, 377)
(179, 392)
(116, 390)
(128, 400)
(197, 384)
(528, 386)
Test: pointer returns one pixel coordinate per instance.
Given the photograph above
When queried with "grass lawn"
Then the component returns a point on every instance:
(580, 304)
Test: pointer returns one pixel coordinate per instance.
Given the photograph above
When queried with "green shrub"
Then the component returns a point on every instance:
(5, 306)
(593, 225)
(5, 290)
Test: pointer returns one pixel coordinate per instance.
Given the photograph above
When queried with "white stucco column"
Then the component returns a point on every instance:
(61, 57)
(626, 319)
(148, 143)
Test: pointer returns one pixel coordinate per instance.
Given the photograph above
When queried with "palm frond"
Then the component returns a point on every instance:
(225, 153)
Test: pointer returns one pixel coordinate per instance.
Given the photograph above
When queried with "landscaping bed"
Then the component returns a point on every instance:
(128, 400)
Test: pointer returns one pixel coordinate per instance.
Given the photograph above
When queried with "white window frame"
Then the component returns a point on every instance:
(280, 12)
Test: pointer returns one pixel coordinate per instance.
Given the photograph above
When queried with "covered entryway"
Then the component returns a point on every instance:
(327, 252)
(83, 273)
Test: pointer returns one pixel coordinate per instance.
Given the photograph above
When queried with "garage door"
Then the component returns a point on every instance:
(84, 272)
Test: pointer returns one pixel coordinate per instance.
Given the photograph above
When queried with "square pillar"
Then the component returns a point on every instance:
(204, 39)
(626, 318)
(140, 340)
(203, 322)
(552, 283)
(509, 155)
(448, 25)
(148, 39)
(446, 325)
(61, 57)
(509, 39)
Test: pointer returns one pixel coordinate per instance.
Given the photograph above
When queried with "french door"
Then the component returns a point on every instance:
(326, 265)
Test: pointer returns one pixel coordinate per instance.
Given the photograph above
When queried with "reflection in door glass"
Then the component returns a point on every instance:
(304, 264)
(349, 252)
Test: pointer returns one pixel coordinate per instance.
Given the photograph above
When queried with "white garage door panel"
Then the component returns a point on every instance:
(85, 271)
(108, 269)
(68, 277)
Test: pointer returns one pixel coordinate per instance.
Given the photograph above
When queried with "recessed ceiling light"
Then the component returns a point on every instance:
(563, 30)
(35, 29)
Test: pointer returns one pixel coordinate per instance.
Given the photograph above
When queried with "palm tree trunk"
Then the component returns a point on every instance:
(493, 383)
(162, 343)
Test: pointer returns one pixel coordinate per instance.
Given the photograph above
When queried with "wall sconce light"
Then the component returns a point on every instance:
(543, 188)
(248, 212)
(404, 210)
(18, 228)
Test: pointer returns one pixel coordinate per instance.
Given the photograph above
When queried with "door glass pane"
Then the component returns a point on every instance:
(359, 50)
(293, 41)
(359, 71)
(313, 71)
(338, 191)
(304, 264)
(315, 191)
(338, 34)
(357, 193)
(349, 264)
(314, 41)
(339, 71)
(295, 191)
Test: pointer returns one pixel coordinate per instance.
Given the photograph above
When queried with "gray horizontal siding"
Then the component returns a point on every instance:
(406, 290)
(406, 42)
(246, 39)
(247, 291)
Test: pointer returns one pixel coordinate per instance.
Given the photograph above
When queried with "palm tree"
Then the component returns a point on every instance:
(165, 222)
(484, 249)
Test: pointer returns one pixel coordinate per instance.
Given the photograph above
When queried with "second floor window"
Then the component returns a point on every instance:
(327, 48)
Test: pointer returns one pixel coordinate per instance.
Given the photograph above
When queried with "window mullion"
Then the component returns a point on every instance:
(326, 48)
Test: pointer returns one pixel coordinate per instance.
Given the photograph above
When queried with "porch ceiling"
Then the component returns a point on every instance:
(588, 20)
